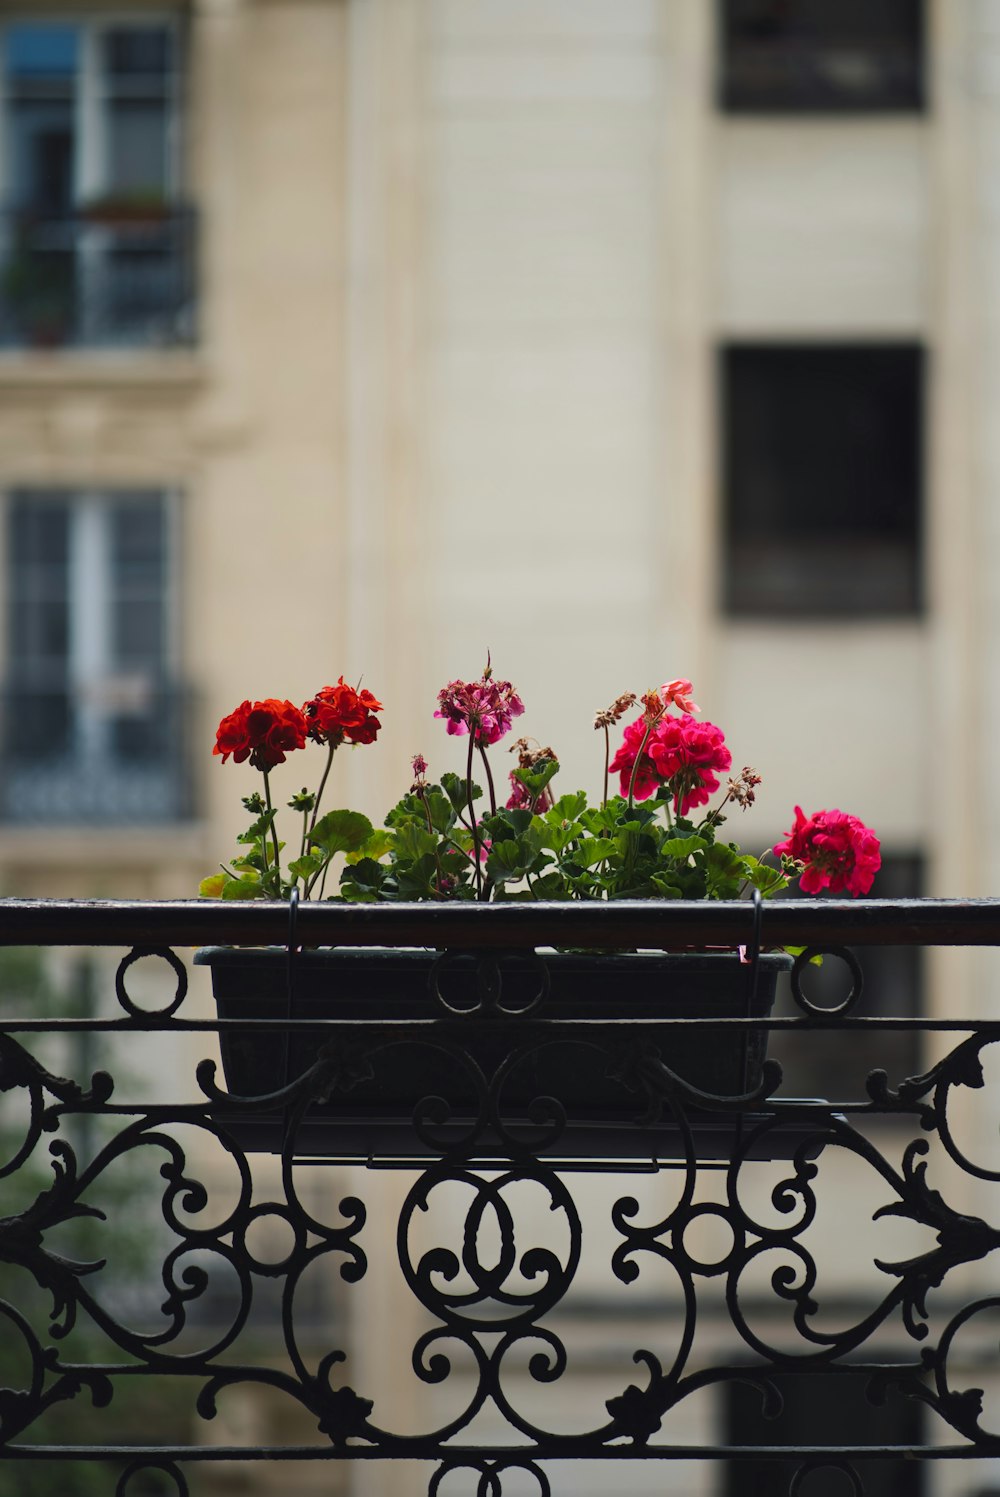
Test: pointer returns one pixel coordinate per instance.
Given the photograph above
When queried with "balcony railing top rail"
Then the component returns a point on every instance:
(470, 926)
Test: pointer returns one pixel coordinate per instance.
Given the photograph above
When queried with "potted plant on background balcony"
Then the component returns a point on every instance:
(134, 207)
(500, 1037)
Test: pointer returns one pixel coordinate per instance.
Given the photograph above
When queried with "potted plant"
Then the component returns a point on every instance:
(392, 1052)
(134, 207)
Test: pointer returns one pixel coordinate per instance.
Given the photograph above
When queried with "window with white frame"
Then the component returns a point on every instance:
(91, 110)
(95, 247)
(94, 720)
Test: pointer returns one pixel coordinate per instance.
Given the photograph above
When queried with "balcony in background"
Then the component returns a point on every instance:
(112, 276)
(114, 755)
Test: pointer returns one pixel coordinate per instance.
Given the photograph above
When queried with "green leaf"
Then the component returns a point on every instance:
(593, 850)
(682, 848)
(248, 887)
(305, 867)
(768, 880)
(413, 842)
(377, 845)
(535, 779)
(666, 888)
(341, 831)
(454, 788)
(569, 807)
(212, 887)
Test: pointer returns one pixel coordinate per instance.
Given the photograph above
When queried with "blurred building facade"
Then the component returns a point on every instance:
(627, 339)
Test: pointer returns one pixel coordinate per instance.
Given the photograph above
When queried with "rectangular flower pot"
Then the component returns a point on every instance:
(418, 1053)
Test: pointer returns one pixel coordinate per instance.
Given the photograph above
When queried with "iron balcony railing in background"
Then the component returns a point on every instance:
(101, 280)
(114, 754)
(124, 1163)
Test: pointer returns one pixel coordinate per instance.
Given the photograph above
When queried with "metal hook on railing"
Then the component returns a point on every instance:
(752, 952)
(291, 950)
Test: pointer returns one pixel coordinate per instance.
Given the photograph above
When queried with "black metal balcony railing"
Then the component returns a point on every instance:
(497, 1327)
(114, 755)
(98, 281)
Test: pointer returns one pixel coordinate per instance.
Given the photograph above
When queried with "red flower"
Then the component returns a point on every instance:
(681, 753)
(262, 732)
(839, 851)
(339, 713)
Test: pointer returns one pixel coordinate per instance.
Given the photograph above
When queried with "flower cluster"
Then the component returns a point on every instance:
(263, 732)
(341, 713)
(838, 852)
(677, 752)
(437, 844)
(484, 708)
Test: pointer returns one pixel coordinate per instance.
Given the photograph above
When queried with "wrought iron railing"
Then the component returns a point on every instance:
(114, 1103)
(116, 754)
(103, 280)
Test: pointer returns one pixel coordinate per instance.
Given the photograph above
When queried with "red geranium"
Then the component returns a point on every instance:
(680, 752)
(262, 732)
(839, 851)
(339, 713)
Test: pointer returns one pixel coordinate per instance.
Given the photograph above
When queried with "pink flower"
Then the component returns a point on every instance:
(839, 851)
(485, 708)
(678, 693)
(419, 766)
(680, 753)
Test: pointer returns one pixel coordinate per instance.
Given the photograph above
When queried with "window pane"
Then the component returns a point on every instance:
(137, 67)
(818, 55)
(822, 471)
(137, 144)
(38, 617)
(41, 64)
(138, 570)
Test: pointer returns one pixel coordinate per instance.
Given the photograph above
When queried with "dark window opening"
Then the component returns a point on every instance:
(821, 55)
(836, 1066)
(822, 472)
(823, 1408)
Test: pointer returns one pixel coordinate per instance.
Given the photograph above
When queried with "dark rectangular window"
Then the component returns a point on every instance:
(823, 1407)
(822, 473)
(821, 56)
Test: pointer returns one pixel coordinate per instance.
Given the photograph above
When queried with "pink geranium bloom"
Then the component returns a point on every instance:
(521, 798)
(678, 694)
(485, 708)
(680, 753)
(839, 852)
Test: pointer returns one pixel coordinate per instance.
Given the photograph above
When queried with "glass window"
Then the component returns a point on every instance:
(821, 55)
(92, 725)
(822, 467)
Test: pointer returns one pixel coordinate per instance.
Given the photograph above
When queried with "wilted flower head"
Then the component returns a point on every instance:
(419, 766)
(742, 787)
(838, 850)
(610, 715)
(484, 708)
(343, 713)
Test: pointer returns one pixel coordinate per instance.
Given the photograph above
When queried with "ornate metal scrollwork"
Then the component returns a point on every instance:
(489, 1247)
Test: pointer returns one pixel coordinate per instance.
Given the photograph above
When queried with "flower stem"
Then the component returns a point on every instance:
(635, 764)
(274, 830)
(322, 786)
(472, 814)
(489, 780)
(607, 763)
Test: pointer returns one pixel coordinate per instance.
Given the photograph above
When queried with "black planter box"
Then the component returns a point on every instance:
(490, 1038)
